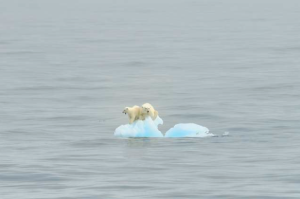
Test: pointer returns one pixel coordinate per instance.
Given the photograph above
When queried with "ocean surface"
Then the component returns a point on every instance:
(69, 67)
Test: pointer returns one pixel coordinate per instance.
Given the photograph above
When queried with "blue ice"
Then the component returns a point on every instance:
(140, 128)
(188, 130)
(149, 128)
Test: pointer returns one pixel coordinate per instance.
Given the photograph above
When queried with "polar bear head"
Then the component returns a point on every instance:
(146, 109)
(125, 111)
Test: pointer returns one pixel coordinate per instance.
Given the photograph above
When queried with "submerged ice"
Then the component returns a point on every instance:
(140, 128)
(149, 128)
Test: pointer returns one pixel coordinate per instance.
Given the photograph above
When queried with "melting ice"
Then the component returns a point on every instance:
(149, 128)
(140, 128)
(188, 130)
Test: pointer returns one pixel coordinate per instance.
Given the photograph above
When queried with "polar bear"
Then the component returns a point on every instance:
(134, 113)
(148, 110)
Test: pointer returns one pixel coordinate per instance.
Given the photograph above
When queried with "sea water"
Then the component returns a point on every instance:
(68, 68)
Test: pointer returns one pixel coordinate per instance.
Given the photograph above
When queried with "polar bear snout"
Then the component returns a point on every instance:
(125, 110)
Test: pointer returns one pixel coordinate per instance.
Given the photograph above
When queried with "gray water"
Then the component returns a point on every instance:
(68, 68)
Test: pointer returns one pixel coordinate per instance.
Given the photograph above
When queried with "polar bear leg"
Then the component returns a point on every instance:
(155, 115)
(151, 114)
(142, 117)
(131, 120)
